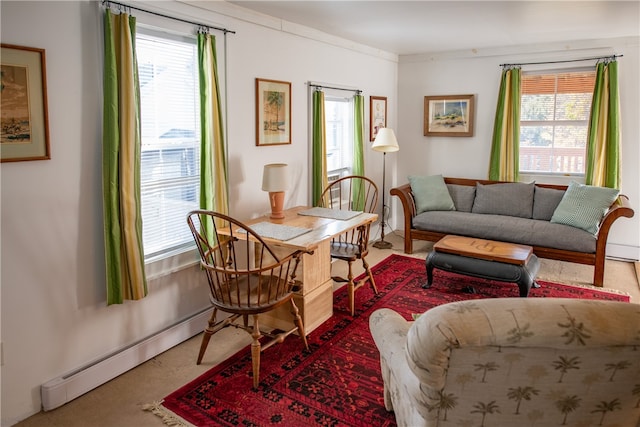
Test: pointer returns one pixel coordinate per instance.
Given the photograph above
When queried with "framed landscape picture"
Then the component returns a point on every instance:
(24, 129)
(449, 115)
(377, 115)
(273, 112)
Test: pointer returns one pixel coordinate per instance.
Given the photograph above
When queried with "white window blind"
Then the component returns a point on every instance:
(339, 135)
(170, 165)
(554, 120)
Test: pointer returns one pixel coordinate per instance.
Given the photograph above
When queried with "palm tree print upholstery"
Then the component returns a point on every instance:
(513, 362)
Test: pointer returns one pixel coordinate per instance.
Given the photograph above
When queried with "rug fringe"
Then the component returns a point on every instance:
(168, 417)
(583, 285)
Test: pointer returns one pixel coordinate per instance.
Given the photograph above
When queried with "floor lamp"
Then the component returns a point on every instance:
(385, 142)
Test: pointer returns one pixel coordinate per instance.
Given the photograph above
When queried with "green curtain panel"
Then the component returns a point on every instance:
(319, 150)
(124, 254)
(603, 144)
(504, 162)
(214, 194)
(358, 150)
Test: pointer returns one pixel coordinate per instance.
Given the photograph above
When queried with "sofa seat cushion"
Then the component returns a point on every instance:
(522, 231)
(509, 199)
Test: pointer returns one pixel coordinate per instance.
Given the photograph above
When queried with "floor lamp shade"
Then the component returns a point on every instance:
(275, 180)
(385, 142)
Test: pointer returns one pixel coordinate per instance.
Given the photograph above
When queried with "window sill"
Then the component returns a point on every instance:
(171, 262)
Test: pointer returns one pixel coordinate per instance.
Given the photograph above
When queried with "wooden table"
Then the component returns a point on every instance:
(487, 259)
(315, 298)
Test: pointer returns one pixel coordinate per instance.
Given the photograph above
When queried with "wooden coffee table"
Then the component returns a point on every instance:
(486, 259)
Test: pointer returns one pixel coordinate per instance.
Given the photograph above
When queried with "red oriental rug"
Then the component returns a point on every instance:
(337, 382)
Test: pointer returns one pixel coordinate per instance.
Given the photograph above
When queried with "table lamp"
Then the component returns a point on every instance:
(275, 180)
(385, 142)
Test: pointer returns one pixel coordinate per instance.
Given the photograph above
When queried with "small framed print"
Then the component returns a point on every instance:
(378, 115)
(273, 112)
(449, 115)
(24, 127)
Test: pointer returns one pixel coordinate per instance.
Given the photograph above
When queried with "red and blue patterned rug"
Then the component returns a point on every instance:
(337, 382)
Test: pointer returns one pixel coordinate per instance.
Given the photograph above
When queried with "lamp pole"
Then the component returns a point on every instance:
(381, 244)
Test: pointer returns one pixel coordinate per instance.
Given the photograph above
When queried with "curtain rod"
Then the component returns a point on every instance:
(357, 91)
(108, 3)
(613, 57)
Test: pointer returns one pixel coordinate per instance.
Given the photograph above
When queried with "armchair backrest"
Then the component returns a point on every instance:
(538, 361)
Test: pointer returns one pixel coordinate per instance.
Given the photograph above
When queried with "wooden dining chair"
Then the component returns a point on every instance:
(354, 193)
(246, 279)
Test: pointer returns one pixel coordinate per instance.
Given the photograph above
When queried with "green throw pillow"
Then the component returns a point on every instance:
(431, 193)
(584, 206)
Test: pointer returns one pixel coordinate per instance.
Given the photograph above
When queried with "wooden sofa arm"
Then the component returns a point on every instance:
(619, 208)
(409, 211)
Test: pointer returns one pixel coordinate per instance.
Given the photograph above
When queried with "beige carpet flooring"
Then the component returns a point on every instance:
(120, 401)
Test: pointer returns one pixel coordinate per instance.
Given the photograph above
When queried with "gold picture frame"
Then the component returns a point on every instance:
(449, 115)
(24, 126)
(273, 112)
(377, 115)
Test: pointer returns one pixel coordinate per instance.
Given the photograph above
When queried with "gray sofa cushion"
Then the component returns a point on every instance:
(507, 229)
(463, 196)
(545, 202)
(510, 199)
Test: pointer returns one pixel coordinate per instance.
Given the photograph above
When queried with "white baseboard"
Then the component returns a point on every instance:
(67, 387)
(623, 252)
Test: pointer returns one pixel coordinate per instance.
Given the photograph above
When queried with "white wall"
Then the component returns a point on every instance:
(54, 315)
(478, 73)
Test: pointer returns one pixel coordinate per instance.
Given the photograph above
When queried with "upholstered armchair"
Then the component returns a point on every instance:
(512, 362)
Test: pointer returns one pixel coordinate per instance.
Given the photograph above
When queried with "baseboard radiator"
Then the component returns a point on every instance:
(64, 389)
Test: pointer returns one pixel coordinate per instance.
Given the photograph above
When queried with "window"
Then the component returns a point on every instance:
(554, 120)
(339, 136)
(170, 156)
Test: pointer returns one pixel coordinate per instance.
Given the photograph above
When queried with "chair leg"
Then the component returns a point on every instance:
(255, 352)
(208, 332)
(298, 321)
(351, 286)
(365, 264)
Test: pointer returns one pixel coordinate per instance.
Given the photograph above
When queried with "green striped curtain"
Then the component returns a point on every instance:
(214, 194)
(124, 254)
(319, 180)
(603, 144)
(504, 161)
(358, 150)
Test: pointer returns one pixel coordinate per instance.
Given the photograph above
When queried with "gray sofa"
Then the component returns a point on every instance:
(511, 212)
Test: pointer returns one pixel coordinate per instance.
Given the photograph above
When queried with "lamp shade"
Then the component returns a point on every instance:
(275, 177)
(385, 141)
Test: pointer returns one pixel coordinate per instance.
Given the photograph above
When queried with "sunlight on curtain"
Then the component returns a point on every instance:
(504, 162)
(319, 149)
(213, 160)
(358, 149)
(603, 144)
(124, 254)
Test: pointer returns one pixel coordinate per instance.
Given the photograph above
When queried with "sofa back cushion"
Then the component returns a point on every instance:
(463, 196)
(510, 199)
(545, 202)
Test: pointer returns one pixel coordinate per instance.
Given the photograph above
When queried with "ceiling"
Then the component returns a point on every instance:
(415, 27)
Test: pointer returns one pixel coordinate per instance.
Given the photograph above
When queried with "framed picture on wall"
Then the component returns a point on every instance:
(378, 115)
(24, 128)
(273, 112)
(449, 115)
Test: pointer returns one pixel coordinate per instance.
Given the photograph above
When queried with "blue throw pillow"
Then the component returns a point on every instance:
(584, 206)
(431, 193)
